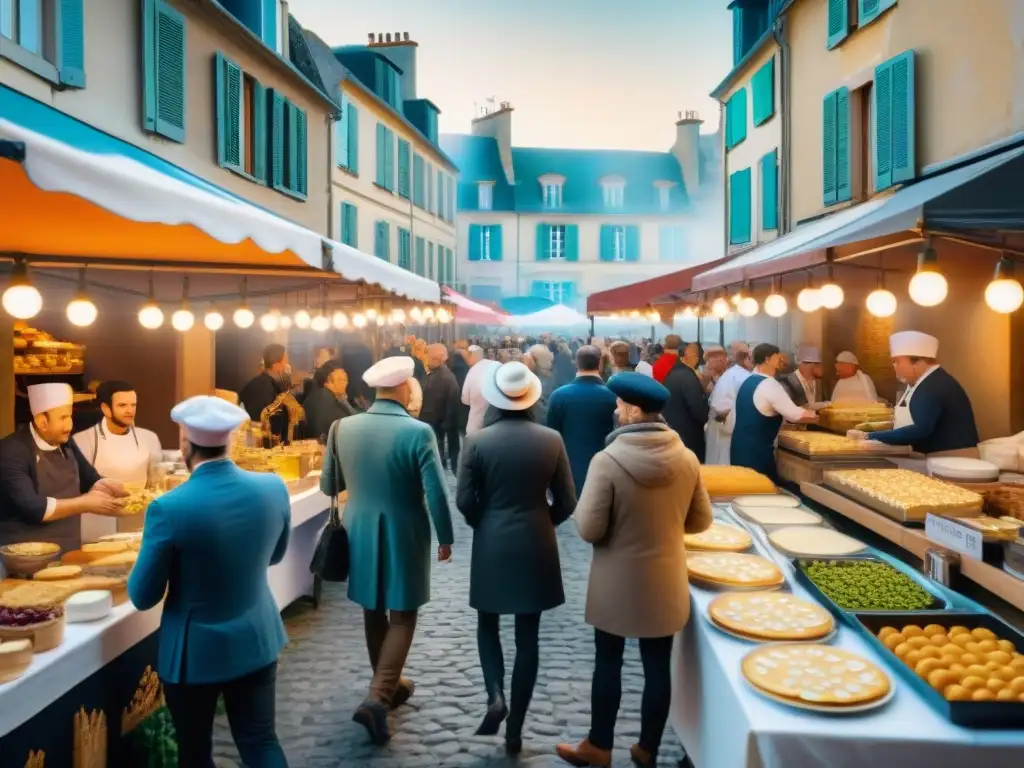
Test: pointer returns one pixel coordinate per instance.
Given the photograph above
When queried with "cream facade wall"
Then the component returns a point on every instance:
(969, 78)
(112, 99)
(759, 141)
(374, 203)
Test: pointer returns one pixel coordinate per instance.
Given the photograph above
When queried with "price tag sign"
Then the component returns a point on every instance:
(949, 533)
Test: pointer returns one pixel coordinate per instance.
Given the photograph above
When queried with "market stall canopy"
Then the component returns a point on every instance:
(558, 316)
(361, 267)
(525, 305)
(983, 194)
(469, 311)
(645, 292)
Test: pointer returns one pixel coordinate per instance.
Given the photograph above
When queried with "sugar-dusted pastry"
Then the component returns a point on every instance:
(732, 569)
(814, 541)
(719, 537)
(815, 673)
(909, 491)
(770, 616)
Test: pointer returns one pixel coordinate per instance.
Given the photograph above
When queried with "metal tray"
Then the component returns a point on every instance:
(972, 714)
(792, 443)
(938, 604)
(896, 513)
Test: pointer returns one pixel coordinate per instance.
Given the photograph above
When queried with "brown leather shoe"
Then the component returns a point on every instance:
(584, 754)
(374, 718)
(642, 758)
(406, 688)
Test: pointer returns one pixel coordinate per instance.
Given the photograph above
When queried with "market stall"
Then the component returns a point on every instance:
(794, 656)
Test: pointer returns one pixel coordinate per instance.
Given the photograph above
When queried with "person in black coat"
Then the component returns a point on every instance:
(263, 389)
(687, 409)
(458, 361)
(441, 400)
(327, 401)
(507, 470)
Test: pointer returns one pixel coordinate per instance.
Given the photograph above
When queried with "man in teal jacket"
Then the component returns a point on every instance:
(208, 544)
(390, 466)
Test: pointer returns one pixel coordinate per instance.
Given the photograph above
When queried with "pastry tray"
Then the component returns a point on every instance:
(939, 603)
(972, 714)
(792, 443)
(898, 514)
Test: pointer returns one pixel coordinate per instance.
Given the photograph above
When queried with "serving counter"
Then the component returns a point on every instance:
(723, 723)
(101, 667)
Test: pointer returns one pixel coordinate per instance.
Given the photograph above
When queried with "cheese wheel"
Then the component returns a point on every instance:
(58, 573)
(91, 605)
(814, 541)
(766, 500)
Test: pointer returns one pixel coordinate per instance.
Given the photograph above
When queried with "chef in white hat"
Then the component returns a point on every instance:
(853, 386)
(389, 464)
(804, 384)
(45, 481)
(208, 545)
(934, 415)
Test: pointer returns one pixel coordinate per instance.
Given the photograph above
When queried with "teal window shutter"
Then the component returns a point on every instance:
(736, 118)
(543, 242)
(421, 256)
(440, 266)
(739, 207)
(449, 266)
(417, 180)
(259, 132)
(442, 193)
(301, 174)
(229, 113)
(770, 190)
(828, 149)
(70, 45)
(475, 241)
(843, 186)
(496, 238)
(869, 10)
(277, 143)
(349, 225)
(382, 241)
(382, 176)
(632, 243)
(904, 159)
(341, 135)
(763, 85)
(607, 243)
(389, 159)
(430, 260)
(403, 168)
(428, 179)
(838, 21)
(353, 138)
(572, 242)
(387, 240)
(882, 95)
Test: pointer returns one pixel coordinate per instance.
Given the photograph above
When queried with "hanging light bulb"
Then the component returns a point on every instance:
(150, 314)
(370, 313)
(270, 321)
(928, 287)
(653, 316)
(831, 294)
(80, 310)
(359, 320)
(379, 320)
(748, 306)
(720, 307)
(320, 323)
(737, 298)
(182, 320)
(1005, 293)
(243, 316)
(213, 320)
(881, 302)
(775, 305)
(416, 314)
(688, 312)
(302, 319)
(443, 315)
(22, 300)
(284, 322)
(398, 315)
(428, 313)
(339, 320)
(809, 300)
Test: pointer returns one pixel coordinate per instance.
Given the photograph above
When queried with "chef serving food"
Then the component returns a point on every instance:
(852, 385)
(116, 447)
(934, 415)
(44, 478)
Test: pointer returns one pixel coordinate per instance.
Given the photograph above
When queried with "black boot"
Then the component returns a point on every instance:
(373, 716)
(513, 736)
(496, 714)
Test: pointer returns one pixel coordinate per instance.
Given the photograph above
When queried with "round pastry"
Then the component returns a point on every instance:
(815, 673)
(58, 573)
(814, 541)
(719, 537)
(732, 569)
(770, 616)
(766, 500)
(105, 547)
(780, 516)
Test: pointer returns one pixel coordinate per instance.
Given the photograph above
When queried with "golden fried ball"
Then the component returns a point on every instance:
(1018, 664)
(954, 651)
(1017, 685)
(971, 658)
(956, 693)
(983, 694)
(958, 669)
(981, 633)
(912, 630)
(973, 682)
(926, 666)
(884, 632)
(930, 652)
(958, 630)
(1005, 695)
(977, 670)
(918, 642)
(912, 658)
(934, 629)
(940, 679)
(995, 685)
(961, 639)
(987, 646)
(973, 647)
(902, 650)
(1021, 697)
(891, 641)
(1006, 645)
(1002, 658)
(1006, 674)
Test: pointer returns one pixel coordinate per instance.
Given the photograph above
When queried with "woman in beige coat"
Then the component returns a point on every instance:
(643, 492)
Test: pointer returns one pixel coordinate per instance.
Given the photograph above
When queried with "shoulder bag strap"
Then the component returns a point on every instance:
(335, 517)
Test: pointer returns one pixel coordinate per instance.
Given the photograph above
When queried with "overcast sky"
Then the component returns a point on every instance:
(580, 73)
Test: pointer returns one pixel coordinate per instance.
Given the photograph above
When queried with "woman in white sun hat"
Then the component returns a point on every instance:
(505, 473)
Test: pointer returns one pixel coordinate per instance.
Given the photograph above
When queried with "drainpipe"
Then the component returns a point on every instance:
(779, 32)
(518, 247)
(725, 180)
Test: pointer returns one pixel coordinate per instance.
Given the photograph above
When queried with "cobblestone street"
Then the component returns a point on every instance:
(324, 674)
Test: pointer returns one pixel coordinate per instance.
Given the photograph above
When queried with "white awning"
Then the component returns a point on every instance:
(557, 316)
(361, 267)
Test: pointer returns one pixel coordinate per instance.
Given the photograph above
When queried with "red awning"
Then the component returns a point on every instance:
(640, 295)
(469, 311)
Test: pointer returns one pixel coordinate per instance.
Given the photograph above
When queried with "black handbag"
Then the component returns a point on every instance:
(330, 558)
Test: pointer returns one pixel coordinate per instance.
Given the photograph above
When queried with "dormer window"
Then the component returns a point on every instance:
(664, 190)
(614, 191)
(389, 83)
(551, 190)
(485, 195)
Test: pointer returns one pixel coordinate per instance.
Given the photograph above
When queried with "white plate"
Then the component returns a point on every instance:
(751, 514)
(717, 586)
(853, 545)
(821, 708)
(755, 641)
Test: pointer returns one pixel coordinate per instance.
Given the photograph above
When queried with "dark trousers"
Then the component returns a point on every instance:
(448, 445)
(606, 689)
(524, 672)
(250, 704)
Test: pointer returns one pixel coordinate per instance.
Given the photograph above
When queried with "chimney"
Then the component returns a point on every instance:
(405, 36)
(389, 37)
(371, 38)
(687, 150)
(498, 126)
(400, 50)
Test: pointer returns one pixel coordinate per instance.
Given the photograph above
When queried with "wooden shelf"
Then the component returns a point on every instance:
(913, 540)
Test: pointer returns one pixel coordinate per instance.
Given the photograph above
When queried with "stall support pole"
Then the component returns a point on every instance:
(6, 374)
(592, 334)
(721, 331)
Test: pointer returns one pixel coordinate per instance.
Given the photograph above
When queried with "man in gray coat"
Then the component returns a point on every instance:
(389, 464)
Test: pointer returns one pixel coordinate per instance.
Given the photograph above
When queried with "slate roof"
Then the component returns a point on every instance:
(583, 169)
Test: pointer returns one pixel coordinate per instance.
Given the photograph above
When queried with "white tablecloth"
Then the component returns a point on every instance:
(722, 723)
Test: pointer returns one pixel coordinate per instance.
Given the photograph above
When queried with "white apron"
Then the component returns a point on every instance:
(718, 442)
(852, 390)
(123, 458)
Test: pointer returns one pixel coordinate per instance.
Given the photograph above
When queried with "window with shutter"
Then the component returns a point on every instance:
(572, 242)
(163, 64)
(441, 199)
(382, 177)
(736, 118)
(843, 146)
(495, 242)
(341, 135)
(353, 138)
(869, 10)
(349, 225)
(828, 148)
(739, 207)
(229, 113)
(430, 260)
(449, 266)
(418, 185)
(70, 44)
(403, 168)
(389, 159)
(475, 242)
(763, 85)
(277, 140)
(382, 241)
(428, 180)
(770, 191)
(632, 243)
(421, 256)
(838, 21)
(895, 124)
(301, 153)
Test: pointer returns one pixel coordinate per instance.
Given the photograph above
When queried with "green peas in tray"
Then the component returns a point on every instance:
(865, 584)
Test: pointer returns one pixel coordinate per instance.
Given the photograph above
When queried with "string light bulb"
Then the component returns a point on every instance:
(881, 302)
(775, 304)
(371, 313)
(303, 319)
(688, 313)
(339, 320)
(809, 300)
(320, 323)
(22, 300)
(284, 322)
(398, 315)
(1005, 293)
(243, 316)
(443, 315)
(151, 316)
(831, 293)
(213, 320)
(270, 321)
(80, 310)
(182, 320)
(379, 320)
(748, 306)
(720, 307)
(359, 320)
(416, 314)
(928, 287)
(428, 313)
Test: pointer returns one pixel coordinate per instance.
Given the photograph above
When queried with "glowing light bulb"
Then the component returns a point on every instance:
(243, 317)
(748, 306)
(270, 322)
(81, 312)
(340, 320)
(302, 319)
(776, 305)
(284, 322)
(151, 316)
(928, 288)
(688, 312)
(320, 323)
(213, 320)
(736, 299)
(22, 301)
(808, 300)
(379, 320)
(881, 303)
(635, 314)
(416, 314)
(428, 313)
(443, 315)
(182, 320)
(831, 296)
(359, 320)
(371, 313)
(1004, 295)
(720, 307)
(398, 315)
